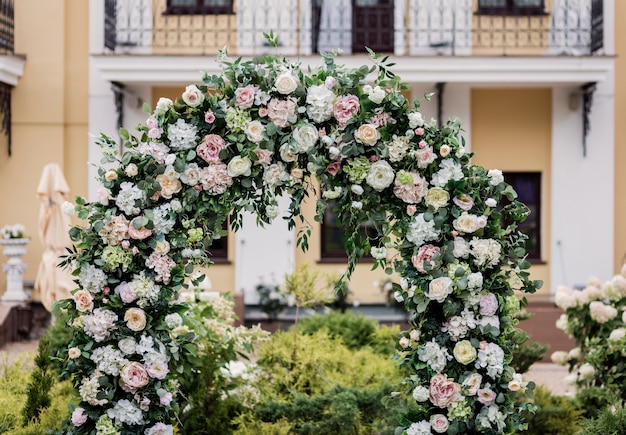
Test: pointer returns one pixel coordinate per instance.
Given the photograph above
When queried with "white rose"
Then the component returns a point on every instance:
(444, 150)
(420, 394)
(466, 223)
(127, 345)
(437, 197)
(490, 202)
(517, 383)
(131, 170)
(367, 134)
(287, 153)
(358, 205)
(377, 95)
(439, 423)
(286, 83)
(356, 189)
(162, 247)
(254, 131)
(306, 137)
(404, 342)
(193, 96)
(110, 175)
(439, 289)
(163, 105)
(471, 384)
(73, 352)
(239, 166)
(495, 177)
(380, 175)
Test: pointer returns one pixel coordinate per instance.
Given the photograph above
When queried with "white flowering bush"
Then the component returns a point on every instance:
(266, 128)
(15, 231)
(595, 317)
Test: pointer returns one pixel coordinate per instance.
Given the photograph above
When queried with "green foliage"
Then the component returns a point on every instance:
(556, 415)
(611, 421)
(354, 330)
(526, 354)
(41, 381)
(592, 401)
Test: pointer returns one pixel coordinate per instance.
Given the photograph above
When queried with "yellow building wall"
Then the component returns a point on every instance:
(620, 139)
(501, 141)
(49, 112)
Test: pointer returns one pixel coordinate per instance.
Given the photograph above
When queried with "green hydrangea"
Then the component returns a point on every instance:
(116, 257)
(460, 410)
(236, 119)
(195, 235)
(404, 177)
(104, 426)
(357, 169)
(458, 270)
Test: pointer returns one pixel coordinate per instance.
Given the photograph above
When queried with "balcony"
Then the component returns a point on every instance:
(404, 28)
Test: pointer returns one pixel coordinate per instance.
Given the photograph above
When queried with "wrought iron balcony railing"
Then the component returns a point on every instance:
(6, 27)
(403, 27)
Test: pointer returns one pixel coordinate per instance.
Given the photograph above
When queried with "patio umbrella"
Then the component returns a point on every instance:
(52, 283)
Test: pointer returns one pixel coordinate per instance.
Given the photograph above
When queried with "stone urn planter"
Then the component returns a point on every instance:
(14, 268)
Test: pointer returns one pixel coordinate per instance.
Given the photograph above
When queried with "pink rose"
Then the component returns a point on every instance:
(419, 131)
(79, 417)
(486, 396)
(443, 391)
(488, 304)
(345, 107)
(210, 149)
(411, 209)
(262, 112)
(209, 117)
(138, 233)
(125, 293)
(83, 301)
(152, 122)
(244, 97)
(134, 376)
(465, 202)
(333, 168)
(330, 82)
(424, 255)
(166, 399)
(155, 133)
(265, 156)
(439, 423)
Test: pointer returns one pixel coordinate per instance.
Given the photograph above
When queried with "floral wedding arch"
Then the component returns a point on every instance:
(263, 129)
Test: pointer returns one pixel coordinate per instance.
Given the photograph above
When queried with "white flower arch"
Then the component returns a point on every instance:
(235, 143)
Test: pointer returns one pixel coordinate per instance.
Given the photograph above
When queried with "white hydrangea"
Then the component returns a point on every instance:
(127, 198)
(173, 320)
(319, 101)
(145, 289)
(108, 360)
(182, 136)
(461, 248)
(475, 281)
(419, 428)
(89, 388)
(125, 412)
(450, 170)
(127, 345)
(495, 177)
(421, 394)
(486, 252)
(398, 148)
(420, 231)
(491, 357)
(601, 312)
(92, 279)
(163, 221)
(434, 355)
(490, 418)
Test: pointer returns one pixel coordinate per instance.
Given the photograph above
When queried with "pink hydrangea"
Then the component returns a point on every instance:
(345, 107)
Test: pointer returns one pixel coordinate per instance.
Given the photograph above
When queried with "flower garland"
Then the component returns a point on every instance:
(236, 142)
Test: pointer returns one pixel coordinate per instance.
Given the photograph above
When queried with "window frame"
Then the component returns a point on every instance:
(510, 8)
(199, 9)
(534, 256)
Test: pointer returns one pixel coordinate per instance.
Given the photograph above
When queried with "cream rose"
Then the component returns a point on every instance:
(110, 175)
(83, 301)
(439, 289)
(134, 376)
(466, 223)
(169, 186)
(306, 137)
(464, 352)
(254, 131)
(437, 197)
(471, 384)
(162, 247)
(193, 96)
(131, 170)
(367, 134)
(287, 153)
(135, 319)
(73, 352)
(286, 83)
(239, 166)
(380, 175)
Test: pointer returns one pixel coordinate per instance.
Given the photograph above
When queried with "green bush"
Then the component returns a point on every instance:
(354, 330)
(555, 415)
(526, 354)
(611, 421)
(592, 401)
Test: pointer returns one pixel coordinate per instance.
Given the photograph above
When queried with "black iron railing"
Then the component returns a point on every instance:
(419, 27)
(6, 27)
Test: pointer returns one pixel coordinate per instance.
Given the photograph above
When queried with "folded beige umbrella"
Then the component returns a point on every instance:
(53, 283)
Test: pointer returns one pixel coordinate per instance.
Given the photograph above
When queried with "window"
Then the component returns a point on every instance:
(333, 247)
(372, 25)
(528, 188)
(511, 7)
(218, 251)
(199, 7)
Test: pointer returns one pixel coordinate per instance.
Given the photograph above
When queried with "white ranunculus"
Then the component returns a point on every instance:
(239, 166)
(286, 83)
(377, 95)
(495, 177)
(380, 175)
(254, 131)
(306, 137)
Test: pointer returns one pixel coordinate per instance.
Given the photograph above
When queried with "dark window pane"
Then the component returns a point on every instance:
(199, 7)
(528, 188)
(511, 7)
(333, 236)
